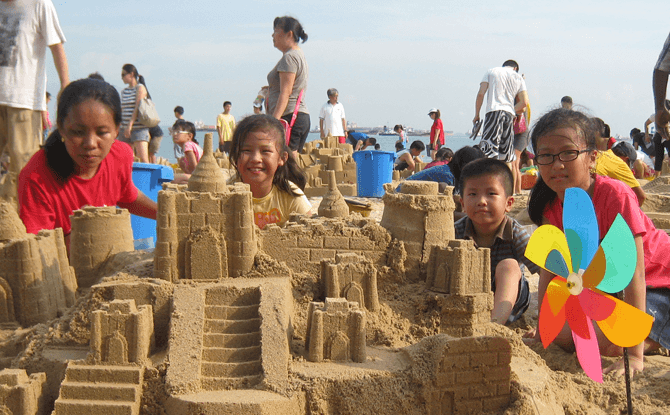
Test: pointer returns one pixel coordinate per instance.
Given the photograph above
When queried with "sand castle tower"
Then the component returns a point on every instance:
(333, 204)
(21, 394)
(36, 281)
(97, 234)
(207, 176)
(205, 230)
(336, 331)
(12, 226)
(461, 274)
(352, 277)
(421, 218)
(122, 333)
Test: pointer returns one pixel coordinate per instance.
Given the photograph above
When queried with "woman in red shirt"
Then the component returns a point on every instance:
(81, 163)
(436, 132)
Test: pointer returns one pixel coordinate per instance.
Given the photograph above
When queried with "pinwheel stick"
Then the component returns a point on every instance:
(626, 371)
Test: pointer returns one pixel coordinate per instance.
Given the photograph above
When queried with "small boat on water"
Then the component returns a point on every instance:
(200, 126)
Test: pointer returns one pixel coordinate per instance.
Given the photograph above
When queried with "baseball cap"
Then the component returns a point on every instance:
(432, 110)
(625, 148)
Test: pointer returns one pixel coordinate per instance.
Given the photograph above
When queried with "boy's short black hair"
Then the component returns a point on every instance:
(488, 167)
(399, 145)
(417, 145)
(179, 110)
(371, 141)
(227, 103)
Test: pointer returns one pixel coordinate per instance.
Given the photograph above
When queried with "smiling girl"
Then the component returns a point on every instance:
(81, 163)
(261, 157)
(564, 142)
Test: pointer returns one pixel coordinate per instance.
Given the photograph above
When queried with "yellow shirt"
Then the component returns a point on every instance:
(608, 164)
(278, 205)
(226, 123)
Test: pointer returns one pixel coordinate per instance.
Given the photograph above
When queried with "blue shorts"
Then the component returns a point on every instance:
(658, 306)
(140, 134)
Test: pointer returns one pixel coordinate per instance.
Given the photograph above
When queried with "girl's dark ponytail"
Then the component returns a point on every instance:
(540, 196)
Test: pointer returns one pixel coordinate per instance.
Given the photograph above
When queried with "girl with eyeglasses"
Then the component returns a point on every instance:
(183, 135)
(564, 142)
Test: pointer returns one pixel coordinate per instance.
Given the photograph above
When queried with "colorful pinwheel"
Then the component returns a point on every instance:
(584, 272)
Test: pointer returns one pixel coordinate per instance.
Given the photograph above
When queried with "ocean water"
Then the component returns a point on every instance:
(387, 142)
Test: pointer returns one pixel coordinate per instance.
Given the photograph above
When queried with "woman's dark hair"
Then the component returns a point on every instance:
(444, 153)
(437, 114)
(58, 159)
(463, 156)
(600, 127)
(290, 171)
(397, 127)
(541, 195)
(291, 24)
(130, 68)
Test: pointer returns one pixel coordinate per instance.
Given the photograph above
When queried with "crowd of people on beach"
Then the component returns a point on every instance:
(88, 160)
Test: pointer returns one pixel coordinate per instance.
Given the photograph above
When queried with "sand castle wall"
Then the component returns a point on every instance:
(352, 277)
(97, 234)
(36, 268)
(203, 235)
(336, 331)
(303, 245)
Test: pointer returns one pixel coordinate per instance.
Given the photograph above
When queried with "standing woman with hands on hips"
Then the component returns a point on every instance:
(288, 78)
(132, 131)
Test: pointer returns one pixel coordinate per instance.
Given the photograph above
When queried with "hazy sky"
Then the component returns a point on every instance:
(390, 60)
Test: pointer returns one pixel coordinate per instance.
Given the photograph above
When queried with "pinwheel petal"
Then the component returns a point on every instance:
(588, 353)
(596, 270)
(627, 326)
(619, 248)
(550, 324)
(596, 307)
(576, 317)
(557, 294)
(548, 248)
(581, 227)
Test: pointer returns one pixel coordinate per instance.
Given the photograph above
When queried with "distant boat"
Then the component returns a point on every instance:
(388, 133)
(200, 126)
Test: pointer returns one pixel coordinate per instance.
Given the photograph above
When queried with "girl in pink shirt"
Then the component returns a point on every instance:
(183, 134)
(564, 143)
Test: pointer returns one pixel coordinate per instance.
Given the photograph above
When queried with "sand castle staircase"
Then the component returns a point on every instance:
(231, 348)
(100, 390)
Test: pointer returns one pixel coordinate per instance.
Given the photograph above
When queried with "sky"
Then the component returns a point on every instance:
(391, 61)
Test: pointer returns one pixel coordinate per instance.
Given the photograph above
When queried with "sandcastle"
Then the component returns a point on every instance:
(319, 157)
(224, 314)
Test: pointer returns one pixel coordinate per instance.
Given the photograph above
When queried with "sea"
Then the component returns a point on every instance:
(386, 142)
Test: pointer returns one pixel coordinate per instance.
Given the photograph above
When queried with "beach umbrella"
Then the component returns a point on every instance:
(585, 272)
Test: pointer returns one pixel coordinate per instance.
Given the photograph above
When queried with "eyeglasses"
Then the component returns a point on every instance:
(567, 155)
(179, 132)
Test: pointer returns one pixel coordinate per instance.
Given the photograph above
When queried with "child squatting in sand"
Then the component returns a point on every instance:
(564, 142)
(486, 195)
(263, 161)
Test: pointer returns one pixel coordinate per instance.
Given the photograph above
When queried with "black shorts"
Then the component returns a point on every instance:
(299, 131)
(225, 147)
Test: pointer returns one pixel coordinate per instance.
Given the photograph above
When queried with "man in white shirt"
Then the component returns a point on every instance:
(332, 119)
(501, 85)
(27, 28)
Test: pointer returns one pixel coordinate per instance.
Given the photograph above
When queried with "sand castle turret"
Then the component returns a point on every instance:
(97, 234)
(333, 204)
(12, 226)
(207, 176)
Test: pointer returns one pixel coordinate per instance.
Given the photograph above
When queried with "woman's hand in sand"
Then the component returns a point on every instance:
(635, 364)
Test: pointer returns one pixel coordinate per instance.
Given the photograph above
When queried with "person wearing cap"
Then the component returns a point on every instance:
(566, 102)
(501, 85)
(436, 132)
(332, 119)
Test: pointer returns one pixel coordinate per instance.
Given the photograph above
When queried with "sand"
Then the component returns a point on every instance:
(542, 381)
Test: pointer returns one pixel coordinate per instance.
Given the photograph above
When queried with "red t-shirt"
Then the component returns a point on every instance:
(47, 203)
(437, 124)
(610, 197)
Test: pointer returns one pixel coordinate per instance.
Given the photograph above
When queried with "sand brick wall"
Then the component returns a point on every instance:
(22, 394)
(305, 244)
(473, 376)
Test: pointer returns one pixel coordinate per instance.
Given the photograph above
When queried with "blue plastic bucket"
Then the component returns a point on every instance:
(149, 179)
(373, 170)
